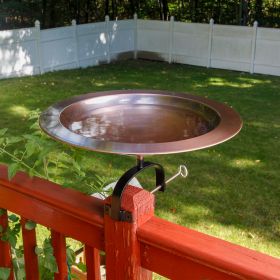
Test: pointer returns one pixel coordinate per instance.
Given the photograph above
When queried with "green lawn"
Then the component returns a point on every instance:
(233, 189)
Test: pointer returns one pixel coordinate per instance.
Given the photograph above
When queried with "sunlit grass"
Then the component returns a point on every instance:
(20, 111)
(224, 82)
(232, 190)
(244, 163)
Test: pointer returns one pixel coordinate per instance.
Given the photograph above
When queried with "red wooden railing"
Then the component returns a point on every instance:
(133, 250)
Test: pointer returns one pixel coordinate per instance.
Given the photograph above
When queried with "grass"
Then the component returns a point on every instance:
(233, 189)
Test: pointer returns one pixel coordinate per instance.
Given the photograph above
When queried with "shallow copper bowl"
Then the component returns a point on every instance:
(140, 122)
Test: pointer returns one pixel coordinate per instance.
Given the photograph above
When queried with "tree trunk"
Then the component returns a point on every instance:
(164, 9)
(194, 8)
(113, 9)
(44, 12)
(52, 14)
(258, 11)
(244, 12)
(87, 11)
(132, 7)
(77, 12)
(106, 7)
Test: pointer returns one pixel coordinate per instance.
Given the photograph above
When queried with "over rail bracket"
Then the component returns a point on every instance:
(115, 211)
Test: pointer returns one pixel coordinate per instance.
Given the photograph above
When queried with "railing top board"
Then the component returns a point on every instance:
(68, 211)
(166, 248)
(161, 239)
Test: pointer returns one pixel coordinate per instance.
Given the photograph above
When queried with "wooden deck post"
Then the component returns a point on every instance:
(59, 251)
(123, 261)
(93, 263)
(30, 257)
(5, 249)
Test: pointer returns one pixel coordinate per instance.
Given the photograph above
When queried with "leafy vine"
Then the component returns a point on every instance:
(35, 154)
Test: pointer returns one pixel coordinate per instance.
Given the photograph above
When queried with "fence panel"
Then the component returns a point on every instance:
(18, 53)
(121, 38)
(231, 47)
(190, 44)
(92, 43)
(58, 49)
(153, 39)
(267, 57)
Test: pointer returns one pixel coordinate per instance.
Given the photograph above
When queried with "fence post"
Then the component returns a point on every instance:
(38, 46)
(121, 243)
(5, 248)
(135, 36)
(107, 19)
(210, 41)
(171, 39)
(254, 42)
(74, 24)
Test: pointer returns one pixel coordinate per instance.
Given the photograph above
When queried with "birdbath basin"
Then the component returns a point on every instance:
(140, 122)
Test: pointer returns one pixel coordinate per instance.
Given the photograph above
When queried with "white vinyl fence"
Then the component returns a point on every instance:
(33, 51)
(249, 49)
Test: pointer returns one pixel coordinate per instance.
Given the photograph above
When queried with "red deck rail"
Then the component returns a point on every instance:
(133, 250)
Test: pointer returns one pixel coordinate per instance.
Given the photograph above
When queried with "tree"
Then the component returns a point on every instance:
(53, 13)
(259, 11)
(244, 12)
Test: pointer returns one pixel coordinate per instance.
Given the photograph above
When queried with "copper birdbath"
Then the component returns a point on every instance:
(140, 122)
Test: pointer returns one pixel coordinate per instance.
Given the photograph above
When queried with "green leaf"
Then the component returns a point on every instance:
(38, 162)
(12, 239)
(2, 212)
(4, 238)
(31, 173)
(13, 218)
(16, 228)
(38, 251)
(35, 126)
(30, 225)
(30, 137)
(71, 256)
(4, 273)
(47, 247)
(73, 276)
(20, 273)
(3, 131)
(50, 264)
(14, 139)
(12, 170)
(30, 149)
(82, 266)
(76, 165)
(34, 114)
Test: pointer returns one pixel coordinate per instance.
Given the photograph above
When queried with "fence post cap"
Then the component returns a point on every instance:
(107, 18)
(211, 21)
(255, 23)
(172, 18)
(135, 16)
(37, 23)
(74, 22)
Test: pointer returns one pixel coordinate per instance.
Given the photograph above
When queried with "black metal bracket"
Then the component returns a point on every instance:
(124, 216)
(115, 210)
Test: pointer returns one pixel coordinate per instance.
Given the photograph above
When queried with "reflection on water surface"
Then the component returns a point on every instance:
(141, 124)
